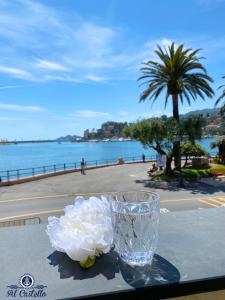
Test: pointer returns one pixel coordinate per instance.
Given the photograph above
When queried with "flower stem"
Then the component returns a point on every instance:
(88, 263)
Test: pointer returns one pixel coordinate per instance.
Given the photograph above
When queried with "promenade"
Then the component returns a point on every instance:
(49, 196)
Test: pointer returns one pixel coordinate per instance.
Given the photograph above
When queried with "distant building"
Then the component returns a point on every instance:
(86, 133)
(108, 130)
(212, 126)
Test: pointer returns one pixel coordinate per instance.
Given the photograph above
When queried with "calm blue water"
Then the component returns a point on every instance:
(34, 155)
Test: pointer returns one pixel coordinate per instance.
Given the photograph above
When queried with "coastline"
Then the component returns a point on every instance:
(38, 155)
(82, 140)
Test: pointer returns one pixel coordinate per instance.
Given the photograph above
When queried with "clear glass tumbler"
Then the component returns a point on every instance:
(135, 220)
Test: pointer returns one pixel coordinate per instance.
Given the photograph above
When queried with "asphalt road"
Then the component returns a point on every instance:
(49, 196)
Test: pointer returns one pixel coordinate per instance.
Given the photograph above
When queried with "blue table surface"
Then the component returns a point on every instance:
(191, 248)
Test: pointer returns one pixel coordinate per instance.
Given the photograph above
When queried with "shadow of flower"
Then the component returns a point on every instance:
(106, 265)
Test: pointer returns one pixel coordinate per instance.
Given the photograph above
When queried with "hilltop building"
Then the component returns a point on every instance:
(108, 129)
(86, 134)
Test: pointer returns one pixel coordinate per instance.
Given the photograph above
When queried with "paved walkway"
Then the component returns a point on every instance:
(48, 196)
(109, 179)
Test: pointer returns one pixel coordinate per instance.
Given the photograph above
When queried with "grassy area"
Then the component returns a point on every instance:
(218, 166)
(195, 173)
(191, 173)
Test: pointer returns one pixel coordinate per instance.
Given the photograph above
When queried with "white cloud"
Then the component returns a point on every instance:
(6, 87)
(85, 49)
(96, 78)
(95, 37)
(12, 119)
(51, 66)
(163, 42)
(16, 107)
(66, 42)
(91, 114)
(16, 72)
(62, 78)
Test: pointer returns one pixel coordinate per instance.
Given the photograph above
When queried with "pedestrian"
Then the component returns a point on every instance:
(82, 164)
(152, 170)
(143, 158)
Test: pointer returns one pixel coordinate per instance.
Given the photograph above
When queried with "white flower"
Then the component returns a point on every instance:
(84, 231)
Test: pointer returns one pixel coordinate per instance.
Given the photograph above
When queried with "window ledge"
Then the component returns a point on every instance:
(190, 258)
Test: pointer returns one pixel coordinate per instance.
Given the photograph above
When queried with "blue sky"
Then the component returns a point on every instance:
(67, 65)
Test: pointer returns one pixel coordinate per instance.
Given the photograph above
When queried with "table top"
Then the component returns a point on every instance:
(190, 251)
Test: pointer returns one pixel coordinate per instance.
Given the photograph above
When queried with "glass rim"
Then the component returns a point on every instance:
(157, 197)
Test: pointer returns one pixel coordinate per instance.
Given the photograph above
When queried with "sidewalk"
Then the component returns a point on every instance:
(218, 182)
(110, 179)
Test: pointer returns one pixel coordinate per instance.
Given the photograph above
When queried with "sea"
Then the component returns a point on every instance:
(19, 156)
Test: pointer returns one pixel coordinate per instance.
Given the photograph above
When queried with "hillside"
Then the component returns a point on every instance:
(215, 125)
(68, 138)
(203, 112)
(214, 118)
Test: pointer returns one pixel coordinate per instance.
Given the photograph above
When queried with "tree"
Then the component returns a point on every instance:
(180, 75)
(221, 147)
(151, 133)
(159, 133)
(189, 149)
(192, 128)
(155, 133)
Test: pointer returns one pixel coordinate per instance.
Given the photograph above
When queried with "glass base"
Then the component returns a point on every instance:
(137, 259)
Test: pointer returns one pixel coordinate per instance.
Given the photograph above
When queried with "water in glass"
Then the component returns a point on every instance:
(135, 221)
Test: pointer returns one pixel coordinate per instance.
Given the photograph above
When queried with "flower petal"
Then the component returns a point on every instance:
(85, 230)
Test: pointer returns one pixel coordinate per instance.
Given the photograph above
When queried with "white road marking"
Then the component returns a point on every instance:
(164, 210)
(220, 197)
(38, 213)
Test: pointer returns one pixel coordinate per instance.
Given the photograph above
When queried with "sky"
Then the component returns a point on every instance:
(68, 65)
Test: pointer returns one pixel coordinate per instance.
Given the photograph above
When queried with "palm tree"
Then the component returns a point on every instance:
(180, 75)
(223, 93)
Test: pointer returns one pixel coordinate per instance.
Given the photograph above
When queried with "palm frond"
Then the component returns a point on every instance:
(220, 98)
(178, 72)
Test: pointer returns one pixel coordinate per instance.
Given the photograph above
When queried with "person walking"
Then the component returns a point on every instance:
(82, 164)
(143, 158)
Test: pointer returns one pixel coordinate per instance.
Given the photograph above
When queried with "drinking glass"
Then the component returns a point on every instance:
(135, 217)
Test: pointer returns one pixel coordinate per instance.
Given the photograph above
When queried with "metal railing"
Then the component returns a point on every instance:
(17, 174)
(20, 222)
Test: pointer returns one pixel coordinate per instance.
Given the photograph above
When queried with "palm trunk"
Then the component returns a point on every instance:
(176, 144)
(168, 170)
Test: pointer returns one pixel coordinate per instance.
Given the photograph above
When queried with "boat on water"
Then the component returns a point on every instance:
(117, 140)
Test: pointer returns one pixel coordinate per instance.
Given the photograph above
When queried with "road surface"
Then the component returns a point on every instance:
(49, 196)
